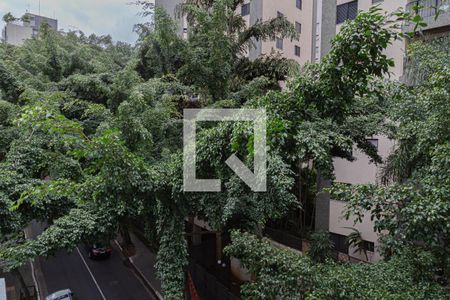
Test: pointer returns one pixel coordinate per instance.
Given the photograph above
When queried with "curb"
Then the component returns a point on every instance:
(141, 275)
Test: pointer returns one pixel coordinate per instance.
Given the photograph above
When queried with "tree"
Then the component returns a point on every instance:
(213, 58)
(9, 85)
(8, 18)
(301, 128)
(217, 42)
(8, 112)
(25, 18)
(161, 49)
(54, 68)
(321, 247)
(99, 112)
(283, 274)
(412, 209)
(355, 239)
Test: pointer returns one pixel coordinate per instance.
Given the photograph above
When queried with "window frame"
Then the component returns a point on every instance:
(279, 43)
(299, 27)
(346, 11)
(296, 47)
(374, 142)
(246, 7)
(369, 246)
(342, 241)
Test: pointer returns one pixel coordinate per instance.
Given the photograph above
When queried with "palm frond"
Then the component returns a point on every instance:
(268, 30)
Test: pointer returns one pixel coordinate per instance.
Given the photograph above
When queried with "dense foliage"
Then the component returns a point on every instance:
(413, 209)
(283, 274)
(91, 141)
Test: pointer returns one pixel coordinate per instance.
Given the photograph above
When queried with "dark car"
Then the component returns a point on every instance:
(99, 250)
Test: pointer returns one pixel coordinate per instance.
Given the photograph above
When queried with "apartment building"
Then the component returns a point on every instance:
(15, 33)
(298, 12)
(318, 21)
(361, 171)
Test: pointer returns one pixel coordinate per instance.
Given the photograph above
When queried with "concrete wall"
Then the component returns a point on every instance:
(15, 34)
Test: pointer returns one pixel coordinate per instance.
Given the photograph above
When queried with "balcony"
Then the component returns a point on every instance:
(436, 13)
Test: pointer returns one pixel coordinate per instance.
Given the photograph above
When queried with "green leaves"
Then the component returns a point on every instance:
(162, 49)
(283, 274)
(8, 17)
(321, 247)
(10, 86)
(415, 206)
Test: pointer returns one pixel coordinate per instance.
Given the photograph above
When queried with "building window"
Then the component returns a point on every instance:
(374, 142)
(368, 246)
(340, 242)
(280, 15)
(245, 9)
(297, 51)
(298, 4)
(346, 11)
(298, 27)
(280, 43)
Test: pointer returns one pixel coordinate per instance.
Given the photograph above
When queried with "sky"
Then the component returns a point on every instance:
(114, 17)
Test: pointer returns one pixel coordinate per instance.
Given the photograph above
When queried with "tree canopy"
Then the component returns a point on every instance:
(92, 141)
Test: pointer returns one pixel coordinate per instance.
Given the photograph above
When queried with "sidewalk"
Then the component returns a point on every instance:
(144, 264)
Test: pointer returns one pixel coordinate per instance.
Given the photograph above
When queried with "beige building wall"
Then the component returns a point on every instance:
(362, 170)
(342, 226)
(305, 16)
(397, 49)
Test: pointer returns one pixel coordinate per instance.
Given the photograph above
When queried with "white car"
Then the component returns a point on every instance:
(61, 295)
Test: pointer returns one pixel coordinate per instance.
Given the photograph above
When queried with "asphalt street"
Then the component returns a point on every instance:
(108, 279)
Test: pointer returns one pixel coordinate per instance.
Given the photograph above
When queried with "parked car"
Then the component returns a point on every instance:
(99, 250)
(61, 295)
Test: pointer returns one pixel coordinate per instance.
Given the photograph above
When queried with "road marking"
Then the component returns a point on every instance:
(92, 275)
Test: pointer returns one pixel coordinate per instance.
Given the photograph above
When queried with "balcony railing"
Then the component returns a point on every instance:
(429, 8)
